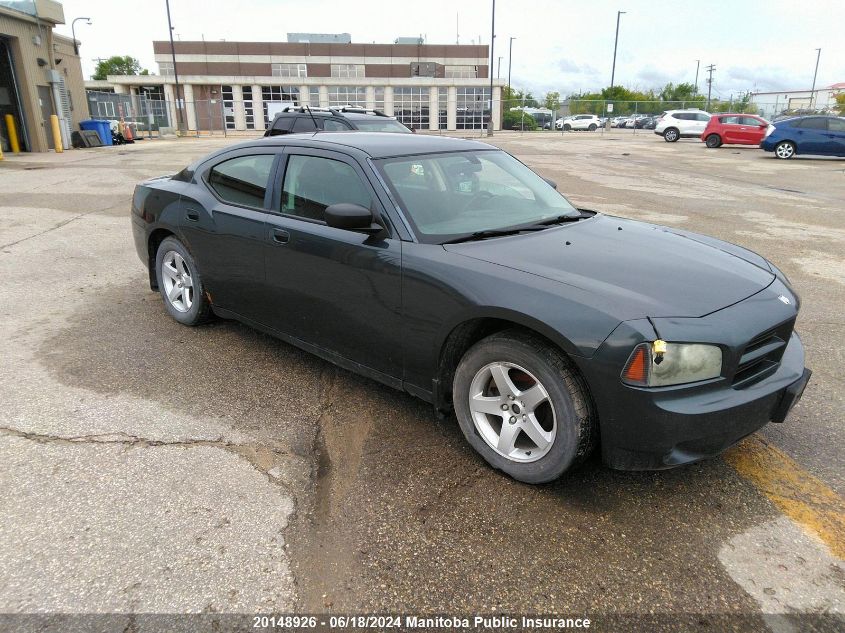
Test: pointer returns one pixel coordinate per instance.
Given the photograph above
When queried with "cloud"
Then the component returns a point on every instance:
(569, 67)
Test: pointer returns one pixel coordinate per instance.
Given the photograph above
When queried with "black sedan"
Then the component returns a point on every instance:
(449, 269)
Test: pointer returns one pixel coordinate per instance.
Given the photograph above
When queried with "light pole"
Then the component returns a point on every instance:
(499, 68)
(175, 72)
(73, 32)
(490, 70)
(510, 60)
(815, 74)
(697, 65)
(615, 42)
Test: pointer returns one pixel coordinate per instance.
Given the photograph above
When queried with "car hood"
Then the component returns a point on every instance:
(636, 269)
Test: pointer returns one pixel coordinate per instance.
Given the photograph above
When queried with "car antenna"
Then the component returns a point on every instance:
(311, 114)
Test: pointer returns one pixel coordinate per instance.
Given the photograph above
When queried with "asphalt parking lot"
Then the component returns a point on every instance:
(148, 467)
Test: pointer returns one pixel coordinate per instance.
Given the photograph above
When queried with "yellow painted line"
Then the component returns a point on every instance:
(800, 496)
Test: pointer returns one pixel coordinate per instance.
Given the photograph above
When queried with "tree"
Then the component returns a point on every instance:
(118, 65)
(840, 103)
(516, 98)
(552, 101)
(517, 120)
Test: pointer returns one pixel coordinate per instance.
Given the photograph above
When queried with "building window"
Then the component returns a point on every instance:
(165, 68)
(249, 111)
(348, 70)
(379, 100)
(314, 96)
(278, 93)
(442, 108)
(411, 106)
(423, 69)
(289, 70)
(461, 72)
(347, 95)
(472, 108)
(228, 107)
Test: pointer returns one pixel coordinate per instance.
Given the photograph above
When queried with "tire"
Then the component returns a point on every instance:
(567, 127)
(713, 141)
(785, 150)
(593, 127)
(180, 283)
(671, 134)
(563, 423)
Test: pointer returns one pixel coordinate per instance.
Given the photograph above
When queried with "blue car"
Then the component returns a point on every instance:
(823, 135)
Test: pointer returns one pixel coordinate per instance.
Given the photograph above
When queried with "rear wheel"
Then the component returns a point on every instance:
(522, 406)
(785, 149)
(592, 127)
(670, 135)
(713, 141)
(180, 283)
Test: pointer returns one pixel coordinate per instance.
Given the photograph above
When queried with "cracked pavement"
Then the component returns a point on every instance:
(153, 468)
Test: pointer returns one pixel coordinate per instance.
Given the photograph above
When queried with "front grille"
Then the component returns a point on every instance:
(762, 355)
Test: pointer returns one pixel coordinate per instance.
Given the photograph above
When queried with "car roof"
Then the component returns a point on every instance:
(338, 113)
(375, 144)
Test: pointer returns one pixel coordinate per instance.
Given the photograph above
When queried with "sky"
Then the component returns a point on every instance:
(563, 45)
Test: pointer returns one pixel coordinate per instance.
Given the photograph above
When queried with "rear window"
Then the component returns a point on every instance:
(382, 125)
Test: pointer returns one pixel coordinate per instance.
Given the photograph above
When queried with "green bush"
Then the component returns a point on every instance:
(514, 120)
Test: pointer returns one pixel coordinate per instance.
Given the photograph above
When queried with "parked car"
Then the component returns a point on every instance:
(822, 135)
(448, 269)
(293, 119)
(675, 124)
(650, 123)
(578, 122)
(617, 121)
(734, 129)
(639, 122)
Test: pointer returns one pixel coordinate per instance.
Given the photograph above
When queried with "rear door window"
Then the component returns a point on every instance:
(815, 123)
(243, 180)
(331, 125)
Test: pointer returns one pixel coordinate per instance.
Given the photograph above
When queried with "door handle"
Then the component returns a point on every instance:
(193, 215)
(279, 236)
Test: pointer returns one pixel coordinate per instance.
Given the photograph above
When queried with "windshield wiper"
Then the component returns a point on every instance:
(560, 219)
(483, 235)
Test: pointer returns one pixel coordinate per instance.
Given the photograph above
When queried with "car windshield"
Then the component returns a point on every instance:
(447, 196)
(384, 125)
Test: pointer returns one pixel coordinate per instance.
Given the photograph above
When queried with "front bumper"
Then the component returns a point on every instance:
(652, 429)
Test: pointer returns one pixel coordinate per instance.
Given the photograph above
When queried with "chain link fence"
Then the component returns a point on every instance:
(466, 114)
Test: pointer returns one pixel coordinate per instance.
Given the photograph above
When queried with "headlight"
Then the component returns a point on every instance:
(660, 364)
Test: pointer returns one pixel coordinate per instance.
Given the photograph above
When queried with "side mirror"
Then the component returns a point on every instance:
(552, 183)
(351, 217)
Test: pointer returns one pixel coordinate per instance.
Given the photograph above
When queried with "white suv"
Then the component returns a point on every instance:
(578, 122)
(675, 124)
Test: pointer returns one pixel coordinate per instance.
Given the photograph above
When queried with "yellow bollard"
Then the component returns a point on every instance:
(57, 135)
(1, 152)
(13, 134)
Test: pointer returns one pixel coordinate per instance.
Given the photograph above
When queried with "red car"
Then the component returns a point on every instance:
(738, 129)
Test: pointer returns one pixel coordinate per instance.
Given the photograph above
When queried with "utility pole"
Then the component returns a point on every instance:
(499, 69)
(175, 71)
(510, 61)
(697, 64)
(710, 70)
(615, 43)
(815, 74)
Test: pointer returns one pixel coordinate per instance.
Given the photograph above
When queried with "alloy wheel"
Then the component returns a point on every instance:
(785, 150)
(177, 280)
(512, 412)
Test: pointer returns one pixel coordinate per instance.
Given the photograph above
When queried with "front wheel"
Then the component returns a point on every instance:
(785, 149)
(567, 127)
(592, 127)
(671, 135)
(523, 408)
(713, 141)
(180, 283)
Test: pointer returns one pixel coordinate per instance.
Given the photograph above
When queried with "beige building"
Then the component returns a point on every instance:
(39, 74)
(241, 85)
